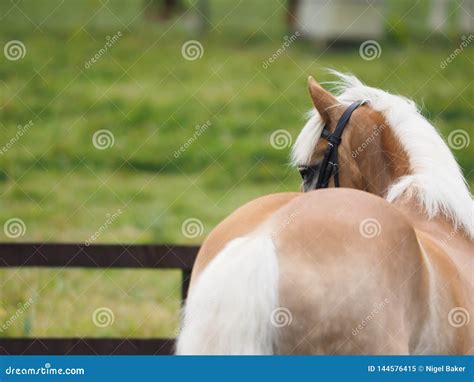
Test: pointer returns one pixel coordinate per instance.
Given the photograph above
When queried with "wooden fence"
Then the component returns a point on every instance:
(95, 256)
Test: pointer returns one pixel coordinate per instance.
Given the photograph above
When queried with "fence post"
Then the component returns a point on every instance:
(185, 280)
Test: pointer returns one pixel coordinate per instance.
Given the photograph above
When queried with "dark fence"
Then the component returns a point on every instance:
(95, 256)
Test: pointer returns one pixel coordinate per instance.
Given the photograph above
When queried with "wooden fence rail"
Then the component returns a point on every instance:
(95, 256)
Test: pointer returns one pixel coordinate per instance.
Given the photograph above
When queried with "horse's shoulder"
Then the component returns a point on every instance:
(345, 205)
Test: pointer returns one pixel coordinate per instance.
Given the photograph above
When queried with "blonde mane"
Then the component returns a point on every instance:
(435, 177)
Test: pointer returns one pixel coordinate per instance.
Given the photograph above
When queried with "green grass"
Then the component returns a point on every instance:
(151, 99)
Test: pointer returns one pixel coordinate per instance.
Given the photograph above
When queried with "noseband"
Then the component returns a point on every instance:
(330, 164)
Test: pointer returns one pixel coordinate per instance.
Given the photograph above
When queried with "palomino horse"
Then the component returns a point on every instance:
(382, 265)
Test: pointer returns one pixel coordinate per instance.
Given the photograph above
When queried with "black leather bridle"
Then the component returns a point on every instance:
(330, 163)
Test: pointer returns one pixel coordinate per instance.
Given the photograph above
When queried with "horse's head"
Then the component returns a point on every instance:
(369, 157)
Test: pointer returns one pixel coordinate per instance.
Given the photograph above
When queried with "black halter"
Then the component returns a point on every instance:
(330, 164)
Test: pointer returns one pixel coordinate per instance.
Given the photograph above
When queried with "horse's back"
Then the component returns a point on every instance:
(345, 256)
(351, 278)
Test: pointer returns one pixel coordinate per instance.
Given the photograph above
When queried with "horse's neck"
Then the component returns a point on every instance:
(383, 163)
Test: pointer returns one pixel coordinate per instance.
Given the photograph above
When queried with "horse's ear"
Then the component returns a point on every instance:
(323, 100)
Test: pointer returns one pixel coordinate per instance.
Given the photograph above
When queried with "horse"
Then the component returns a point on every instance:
(373, 256)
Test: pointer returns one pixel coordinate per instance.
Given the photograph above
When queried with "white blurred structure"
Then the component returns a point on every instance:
(341, 20)
(440, 13)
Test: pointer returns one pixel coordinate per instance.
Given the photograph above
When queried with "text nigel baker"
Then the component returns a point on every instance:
(445, 369)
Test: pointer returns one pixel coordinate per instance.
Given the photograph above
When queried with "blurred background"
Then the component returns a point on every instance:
(146, 121)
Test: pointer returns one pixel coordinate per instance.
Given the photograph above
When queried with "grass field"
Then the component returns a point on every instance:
(151, 99)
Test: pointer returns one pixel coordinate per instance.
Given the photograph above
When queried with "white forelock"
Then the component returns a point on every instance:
(435, 178)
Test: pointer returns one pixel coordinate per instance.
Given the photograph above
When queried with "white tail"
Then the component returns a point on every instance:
(228, 310)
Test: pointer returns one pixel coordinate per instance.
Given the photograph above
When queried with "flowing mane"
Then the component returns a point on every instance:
(435, 177)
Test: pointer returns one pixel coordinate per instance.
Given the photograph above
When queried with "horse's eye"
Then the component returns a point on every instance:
(304, 172)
